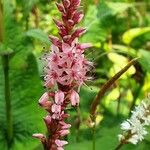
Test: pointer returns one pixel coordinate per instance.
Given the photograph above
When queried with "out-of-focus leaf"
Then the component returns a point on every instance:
(27, 5)
(120, 61)
(25, 90)
(108, 13)
(124, 49)
(5, 50)
(87, 94)
(38, 34)
(24, 83)
(144, 59)
(112, 8)
(131, 34)
(95, 33)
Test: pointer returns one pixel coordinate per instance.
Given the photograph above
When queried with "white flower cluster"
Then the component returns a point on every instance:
(134, 128)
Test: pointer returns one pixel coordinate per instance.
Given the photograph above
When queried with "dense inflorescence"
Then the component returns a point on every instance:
(65, 68)
(134, 128)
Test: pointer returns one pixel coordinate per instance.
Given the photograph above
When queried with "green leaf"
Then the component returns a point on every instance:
(5, 50)
(27, 6)
(131, 34)
(144, 59)
(39, 35)
(112, 8)
(124, 49)
(95, 33)
(25, 84)
(25, 91)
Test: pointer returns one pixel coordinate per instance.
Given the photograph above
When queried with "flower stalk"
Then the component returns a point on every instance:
(106, 86)
(65, 68)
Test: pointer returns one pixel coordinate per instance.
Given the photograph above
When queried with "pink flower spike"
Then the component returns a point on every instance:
(66, 47)
(77, 17)
(74, 97)
(66, 3)
(58, 23)
(71, 22)
(40, 136)
(60, 8)
(64, 132)
(65, 125)
(59, 97)
(76, 2)
(54, 40)
(60, 143)
(44, 101)
(77, 33)
(60, 148)
(65, 115)
(48, 120)
(67, 38)
(84, 46)
(54, 48)
(56, 108)
(49, 83)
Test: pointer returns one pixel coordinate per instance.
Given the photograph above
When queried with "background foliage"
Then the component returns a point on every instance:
(119, 31)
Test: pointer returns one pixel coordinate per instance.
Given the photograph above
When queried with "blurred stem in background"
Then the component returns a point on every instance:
(136, 95)
(5, 63)
(94, 135)
(1, 23)
(36, 15)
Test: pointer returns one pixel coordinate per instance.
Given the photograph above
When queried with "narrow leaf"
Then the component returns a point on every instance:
(107, 85)
(131, 34)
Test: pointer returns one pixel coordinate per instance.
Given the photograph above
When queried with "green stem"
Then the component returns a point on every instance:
(1, 22)
(94, 137)
(137, 93)
(119, 146)
(9, 119)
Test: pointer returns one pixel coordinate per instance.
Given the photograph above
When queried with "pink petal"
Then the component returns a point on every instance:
(64, 132)
(56, 108)
(49, 83)
(44, 101)
(66, 3)
(60, 148)
(39, 136)
(76, 2)
(66, 47)
(79, 32)
(59, 97)
(71, 22)
(65, 125)
(66, 38)
(60, 143)
(65, 80)
(54, 48)
(84, 46)
(48, 119)
(54, 40)
(78, 17)
(74, 97)
(58, 23)
(60, 7)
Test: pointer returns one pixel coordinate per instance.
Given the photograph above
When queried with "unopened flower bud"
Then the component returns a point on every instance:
(66, 3)
(60, 7)
(74, 97)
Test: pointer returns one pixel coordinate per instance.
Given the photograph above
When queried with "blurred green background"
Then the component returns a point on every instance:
(119, 31)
